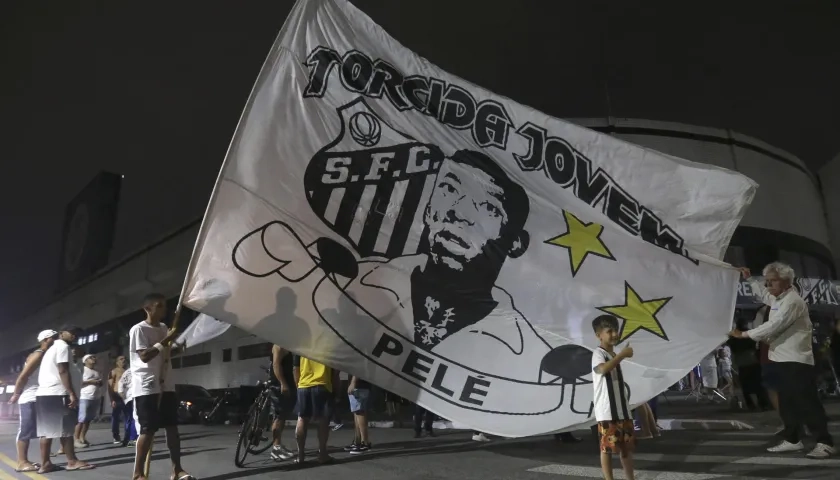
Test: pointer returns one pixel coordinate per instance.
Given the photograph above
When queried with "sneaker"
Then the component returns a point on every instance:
(279, 452)
(80, 445)
(132, 443)
(480, 437)
(349, 448)
(821, 451)
(117, 441)
(337, 426)
(360, 449)
(786, 446)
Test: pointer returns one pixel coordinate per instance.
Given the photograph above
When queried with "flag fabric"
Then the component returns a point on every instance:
(449, 245)
(203, 329)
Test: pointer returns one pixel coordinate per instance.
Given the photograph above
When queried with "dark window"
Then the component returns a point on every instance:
(195, 360)
(259, 350)
(227, 354)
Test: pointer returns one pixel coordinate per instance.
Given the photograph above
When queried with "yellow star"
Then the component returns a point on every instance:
(581, 240)
(638, 314)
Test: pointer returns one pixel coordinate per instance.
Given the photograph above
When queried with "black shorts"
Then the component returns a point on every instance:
(770, 376)
(152, 417)
(281, 404)
(315, 402)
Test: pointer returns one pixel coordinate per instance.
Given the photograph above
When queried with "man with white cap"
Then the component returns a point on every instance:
(26, 388)
(90, 398)
(56, 403)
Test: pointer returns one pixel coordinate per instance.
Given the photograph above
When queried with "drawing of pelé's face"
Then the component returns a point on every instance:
(465, 212)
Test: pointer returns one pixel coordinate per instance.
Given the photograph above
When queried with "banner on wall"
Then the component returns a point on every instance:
(815, 291)
(396, 222)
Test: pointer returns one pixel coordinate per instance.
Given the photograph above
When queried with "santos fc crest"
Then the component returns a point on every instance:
(370, 183)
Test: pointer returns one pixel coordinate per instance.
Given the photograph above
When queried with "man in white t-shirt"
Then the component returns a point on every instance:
(90, 399)
(610, 405)
(26, 390)
(155, 403)
(56, 402)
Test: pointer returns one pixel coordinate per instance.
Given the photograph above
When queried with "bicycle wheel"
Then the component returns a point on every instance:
(262, 426)
(246, 433)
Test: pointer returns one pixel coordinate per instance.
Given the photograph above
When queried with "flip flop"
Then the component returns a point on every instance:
(86, 466)
(55, 468)
(184, 476)
(31, 468)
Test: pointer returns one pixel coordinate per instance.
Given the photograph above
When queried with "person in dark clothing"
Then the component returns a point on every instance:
(423, 421)
(745, 358)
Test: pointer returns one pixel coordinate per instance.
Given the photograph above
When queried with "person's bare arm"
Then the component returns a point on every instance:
(610, 365)
(32, 362)
(296, 373)
(277, 354)
(147, 354)
(64, 375)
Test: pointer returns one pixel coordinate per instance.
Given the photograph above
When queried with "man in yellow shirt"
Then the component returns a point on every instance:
(315, 400)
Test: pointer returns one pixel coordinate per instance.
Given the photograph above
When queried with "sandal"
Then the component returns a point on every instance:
(31, 468)
(183, 476)
(86, 466)
(52, 468)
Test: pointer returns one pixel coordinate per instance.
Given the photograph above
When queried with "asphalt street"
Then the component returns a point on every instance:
(677, 455)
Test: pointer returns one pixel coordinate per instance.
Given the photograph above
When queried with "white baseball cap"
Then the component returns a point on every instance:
(45, 334)
(85, 358)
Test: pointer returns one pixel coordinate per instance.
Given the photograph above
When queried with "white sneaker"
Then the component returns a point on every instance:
(480, 437)
(821, 451)
(281, 453)
(786, 446)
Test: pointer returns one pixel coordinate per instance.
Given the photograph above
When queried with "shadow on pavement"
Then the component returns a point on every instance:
(128, 458)
(444, 443)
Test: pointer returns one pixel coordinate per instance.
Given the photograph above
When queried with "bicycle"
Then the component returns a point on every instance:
(257, 422)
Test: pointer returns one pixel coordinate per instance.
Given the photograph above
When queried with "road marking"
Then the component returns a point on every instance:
(595, 472)
(6, 476)
(724, 459)
(8, 461)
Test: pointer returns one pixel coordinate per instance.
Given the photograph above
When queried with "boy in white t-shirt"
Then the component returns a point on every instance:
(611, 409)
(155, 402)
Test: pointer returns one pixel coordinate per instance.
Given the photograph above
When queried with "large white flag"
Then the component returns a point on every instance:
(452, 246)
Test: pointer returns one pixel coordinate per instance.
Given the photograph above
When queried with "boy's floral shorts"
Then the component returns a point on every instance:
(617, 436)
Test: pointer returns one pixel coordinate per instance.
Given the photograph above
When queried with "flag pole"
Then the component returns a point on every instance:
(202, 230)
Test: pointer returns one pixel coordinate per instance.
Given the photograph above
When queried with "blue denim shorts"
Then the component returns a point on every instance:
(28, 422)
(359, 400)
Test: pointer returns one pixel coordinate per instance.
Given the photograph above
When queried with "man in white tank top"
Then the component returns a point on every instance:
(26, 387)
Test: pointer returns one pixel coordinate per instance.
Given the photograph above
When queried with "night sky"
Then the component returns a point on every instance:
(153, 91)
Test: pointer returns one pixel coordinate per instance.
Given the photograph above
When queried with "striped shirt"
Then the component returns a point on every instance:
(610, 399)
